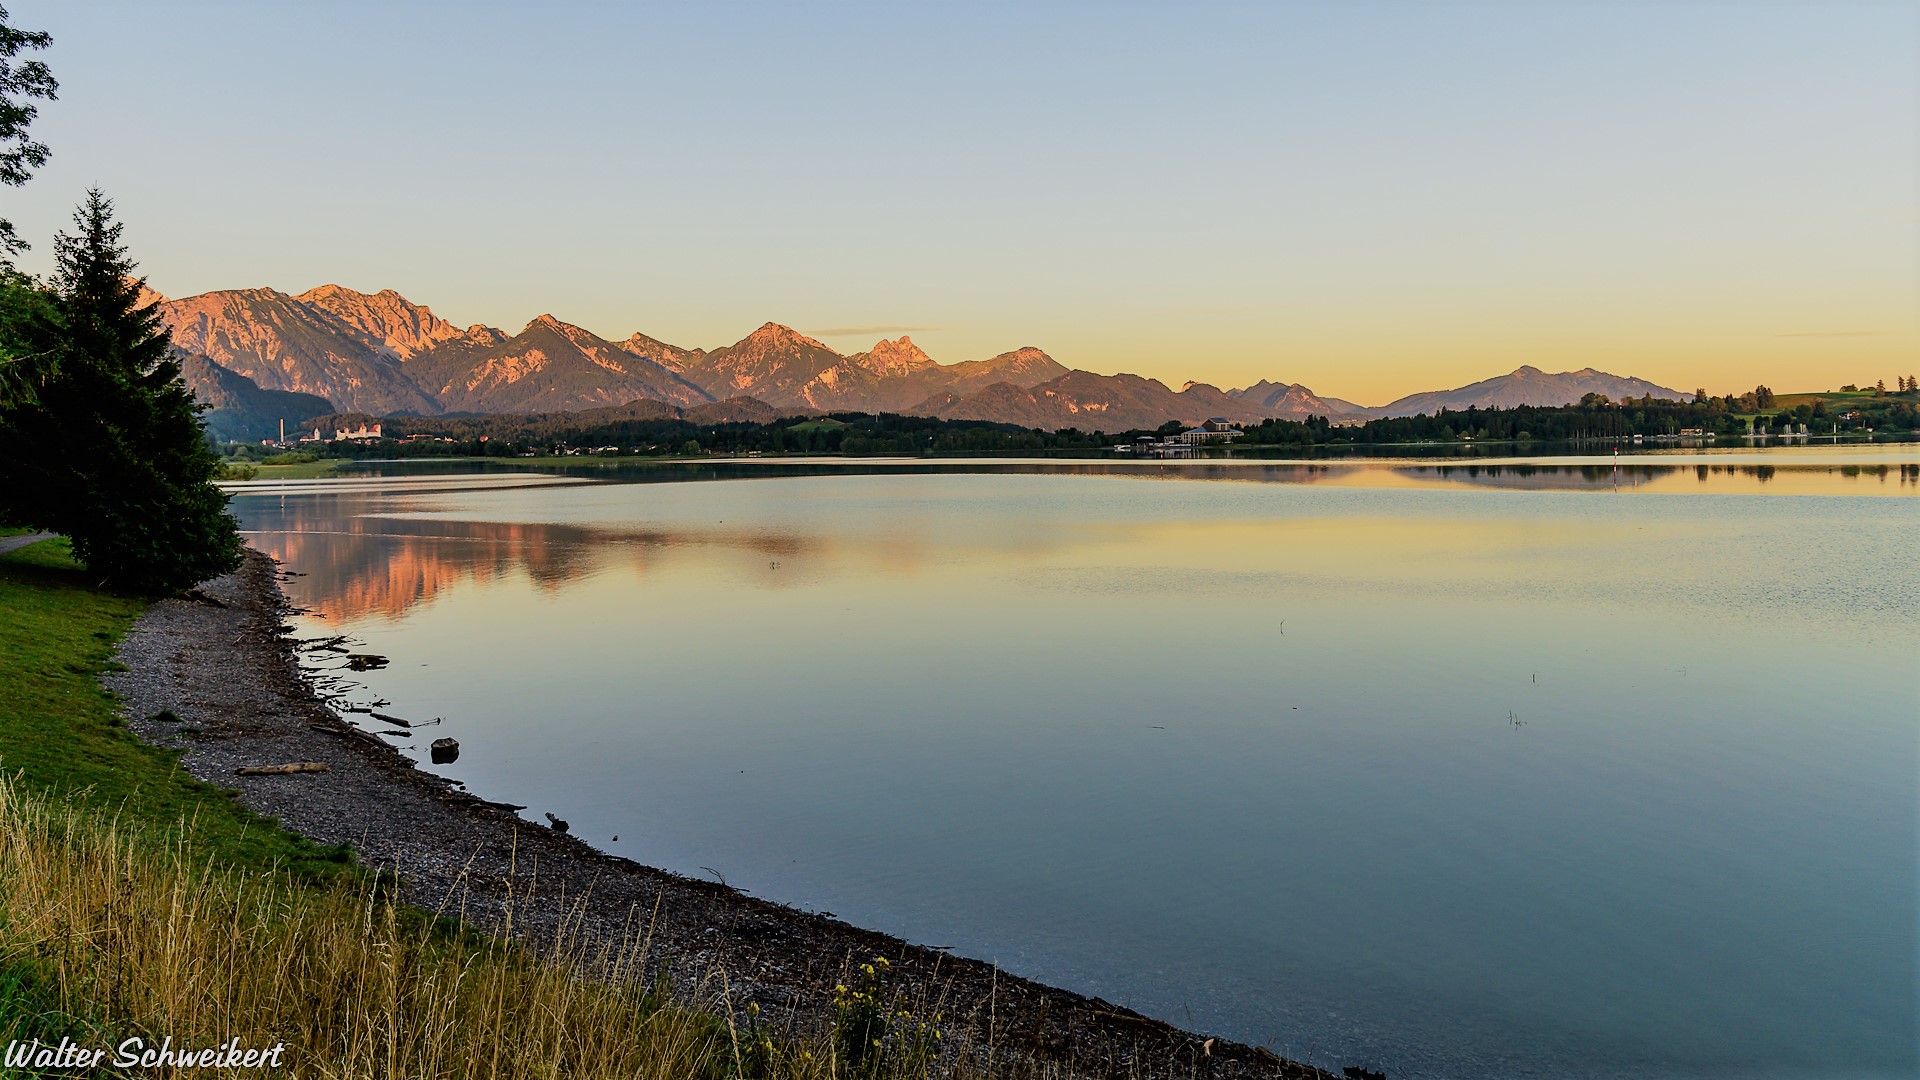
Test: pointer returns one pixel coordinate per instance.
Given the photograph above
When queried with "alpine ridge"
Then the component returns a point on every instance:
(382, 354)
(386, 320)
(283, 343)
(549, 366)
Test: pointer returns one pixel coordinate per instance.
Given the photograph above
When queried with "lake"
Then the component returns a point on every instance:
(1569, 768)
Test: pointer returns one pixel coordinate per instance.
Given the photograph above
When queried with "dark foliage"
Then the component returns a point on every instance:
(632, 429)
(28, 338)
(1725, 417)
(110, 449)
(651, 428)
(21, 82)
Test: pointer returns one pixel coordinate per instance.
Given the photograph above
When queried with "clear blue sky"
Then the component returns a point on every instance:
(1369, 198)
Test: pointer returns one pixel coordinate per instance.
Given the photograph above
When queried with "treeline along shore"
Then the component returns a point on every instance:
(747, 427)
(207, 684)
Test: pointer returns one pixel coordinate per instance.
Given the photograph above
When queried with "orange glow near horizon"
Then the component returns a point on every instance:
(1370, 200)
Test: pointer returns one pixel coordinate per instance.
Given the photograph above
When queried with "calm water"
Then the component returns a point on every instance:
(1550, 771)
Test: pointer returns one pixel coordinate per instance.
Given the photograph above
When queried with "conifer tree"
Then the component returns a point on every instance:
(112, 452)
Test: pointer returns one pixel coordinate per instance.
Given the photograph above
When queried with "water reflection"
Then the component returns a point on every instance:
(1843, 473)
(1849, 479)
(356, 555)
(1410, 762)
(385, 540)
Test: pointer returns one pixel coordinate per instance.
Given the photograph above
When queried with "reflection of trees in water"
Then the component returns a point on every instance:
(1527, 476)
(354, 565)
(1534, 476)
(1909, 474)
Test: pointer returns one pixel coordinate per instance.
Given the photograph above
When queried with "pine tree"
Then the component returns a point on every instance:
(112, 452)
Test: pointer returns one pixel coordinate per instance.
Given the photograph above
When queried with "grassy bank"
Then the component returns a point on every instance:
(110, 935)
(64, 736)
(136, 901)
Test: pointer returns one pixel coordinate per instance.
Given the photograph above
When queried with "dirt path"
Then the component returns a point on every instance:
(222, 663)
(15, 543)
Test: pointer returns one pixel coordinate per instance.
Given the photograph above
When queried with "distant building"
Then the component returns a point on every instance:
(363, 433)
(1214, 430)
(1146, 446)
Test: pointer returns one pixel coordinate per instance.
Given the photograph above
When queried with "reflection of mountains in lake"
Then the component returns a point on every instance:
(354, 566)
(357, 562)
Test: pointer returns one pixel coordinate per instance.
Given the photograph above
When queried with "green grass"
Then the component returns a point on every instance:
(825, 424)
(305, 470)
(64, 735)
(1833, 398)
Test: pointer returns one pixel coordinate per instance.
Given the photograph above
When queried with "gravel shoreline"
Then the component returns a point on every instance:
(222, 662)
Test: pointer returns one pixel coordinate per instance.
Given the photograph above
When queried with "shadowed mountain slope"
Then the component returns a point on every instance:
(238, 409)
(1090, 402)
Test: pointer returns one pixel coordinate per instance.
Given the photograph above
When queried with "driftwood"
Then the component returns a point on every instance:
(282, 770)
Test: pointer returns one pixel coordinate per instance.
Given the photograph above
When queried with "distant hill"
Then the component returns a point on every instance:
(239, 410)
(1528, 385)
(1292, 401)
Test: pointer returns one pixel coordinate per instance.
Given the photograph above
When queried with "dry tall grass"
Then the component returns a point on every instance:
(117, 933)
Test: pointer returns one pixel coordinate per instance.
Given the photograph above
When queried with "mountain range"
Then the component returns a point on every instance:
(256, 355)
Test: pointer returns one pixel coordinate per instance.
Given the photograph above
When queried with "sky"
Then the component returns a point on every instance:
(1371, 199)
